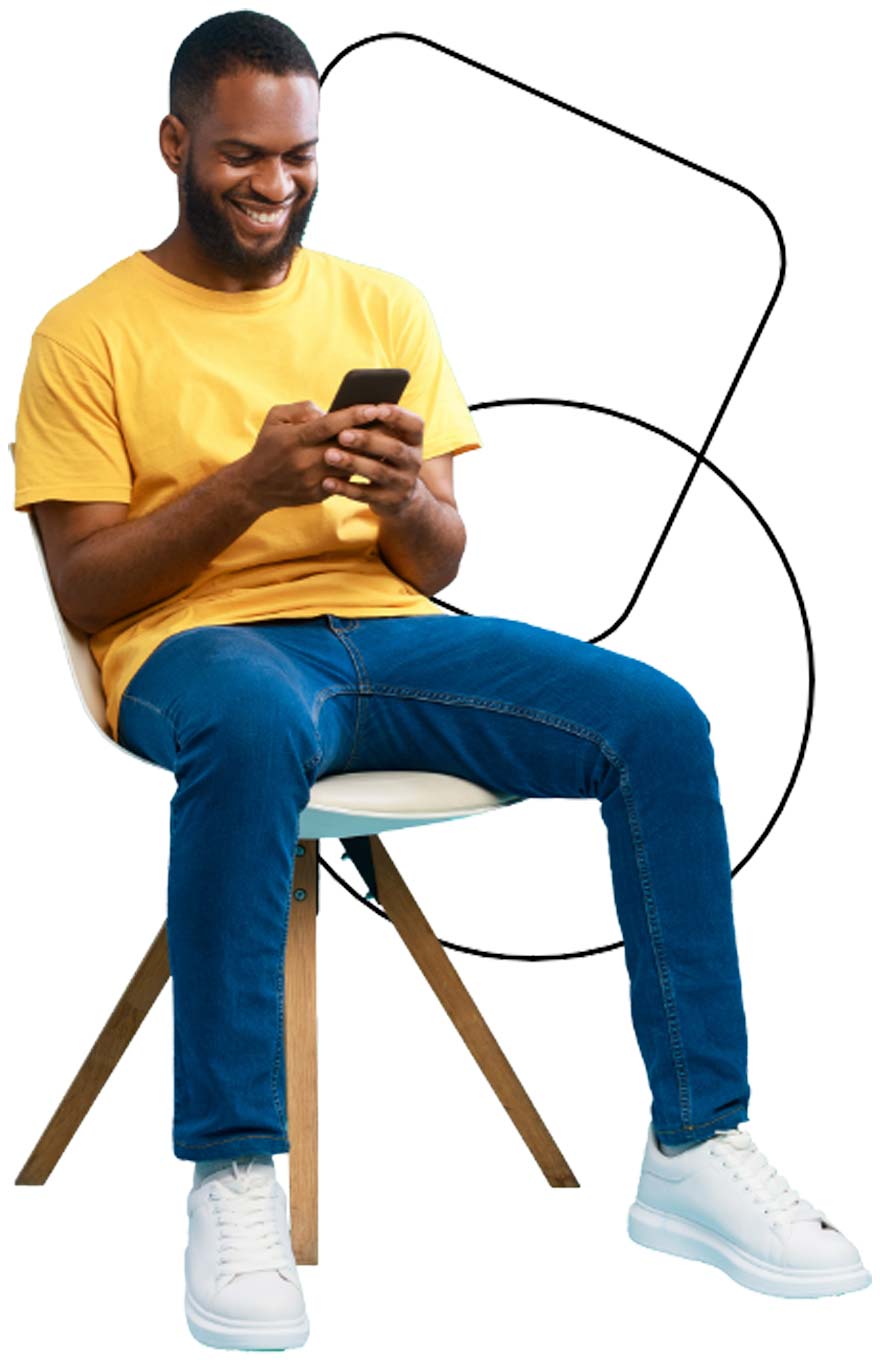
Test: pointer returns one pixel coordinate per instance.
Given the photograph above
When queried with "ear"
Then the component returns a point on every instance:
(172, 142)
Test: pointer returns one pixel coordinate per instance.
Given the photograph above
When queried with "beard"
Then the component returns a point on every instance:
(216, 236)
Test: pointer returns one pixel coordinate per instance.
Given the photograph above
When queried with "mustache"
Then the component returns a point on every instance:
(216, 235)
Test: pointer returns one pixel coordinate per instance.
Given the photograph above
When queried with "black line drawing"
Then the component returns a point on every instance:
(699, 456)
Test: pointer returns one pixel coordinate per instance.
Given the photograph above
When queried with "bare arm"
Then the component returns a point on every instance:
(122, 567)
(104, 567)
(425, 542)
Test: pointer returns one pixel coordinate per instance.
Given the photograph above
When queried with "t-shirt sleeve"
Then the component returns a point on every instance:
(432, 391)
(68, 444)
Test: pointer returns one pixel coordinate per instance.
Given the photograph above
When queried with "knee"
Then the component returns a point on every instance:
(666, 714)
(677, 704)
(679, 725)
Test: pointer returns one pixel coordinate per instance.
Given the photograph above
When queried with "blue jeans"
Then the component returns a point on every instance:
(248, 716)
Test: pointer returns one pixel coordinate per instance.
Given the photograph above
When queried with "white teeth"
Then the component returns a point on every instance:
(262, 217)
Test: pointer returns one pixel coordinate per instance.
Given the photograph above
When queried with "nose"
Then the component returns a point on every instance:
(273, 181)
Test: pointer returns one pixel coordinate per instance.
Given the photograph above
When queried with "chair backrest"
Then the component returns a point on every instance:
(85, 669)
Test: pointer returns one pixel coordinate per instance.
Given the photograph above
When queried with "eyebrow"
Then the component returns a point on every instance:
(249, 146)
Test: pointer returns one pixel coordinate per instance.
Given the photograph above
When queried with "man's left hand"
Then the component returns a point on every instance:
(389, 454)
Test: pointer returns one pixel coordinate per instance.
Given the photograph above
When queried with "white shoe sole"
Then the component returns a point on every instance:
(247, 1335)
(679, 1237)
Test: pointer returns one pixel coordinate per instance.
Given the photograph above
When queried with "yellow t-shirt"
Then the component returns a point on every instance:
(141, 384)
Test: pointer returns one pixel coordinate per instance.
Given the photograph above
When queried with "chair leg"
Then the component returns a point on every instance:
(125, 1021)
(400, 905)
(301, 1055)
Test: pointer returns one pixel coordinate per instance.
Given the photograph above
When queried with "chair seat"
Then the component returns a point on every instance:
(365, 802)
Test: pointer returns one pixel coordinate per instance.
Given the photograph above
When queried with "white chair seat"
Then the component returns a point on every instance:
(364, 802)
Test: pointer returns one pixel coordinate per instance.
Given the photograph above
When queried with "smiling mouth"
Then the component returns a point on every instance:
(263, 220)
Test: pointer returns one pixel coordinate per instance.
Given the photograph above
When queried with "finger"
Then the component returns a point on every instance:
(328, 426)
(296, 411)
(354, 490)
(382, 471)
(406, 424)
(373, 442)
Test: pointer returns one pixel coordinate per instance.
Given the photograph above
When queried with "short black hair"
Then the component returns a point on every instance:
(225, 45)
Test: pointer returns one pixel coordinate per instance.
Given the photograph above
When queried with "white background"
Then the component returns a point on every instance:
(437, 1231)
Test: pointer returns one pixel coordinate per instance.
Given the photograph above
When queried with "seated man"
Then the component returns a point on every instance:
(255, 576)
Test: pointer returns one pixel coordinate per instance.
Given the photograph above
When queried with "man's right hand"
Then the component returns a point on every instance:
(286, 466)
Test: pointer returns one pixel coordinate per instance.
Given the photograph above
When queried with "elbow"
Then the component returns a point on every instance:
(446, 580)
(70, 606)
(78, 619)
(449, 577)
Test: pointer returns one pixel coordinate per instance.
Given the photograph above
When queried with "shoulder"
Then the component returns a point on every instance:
(81, 322)
(372, 284)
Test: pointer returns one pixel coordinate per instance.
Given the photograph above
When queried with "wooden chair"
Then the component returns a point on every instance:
(354, 807)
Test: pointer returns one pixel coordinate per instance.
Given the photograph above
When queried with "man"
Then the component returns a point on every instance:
(254, 575)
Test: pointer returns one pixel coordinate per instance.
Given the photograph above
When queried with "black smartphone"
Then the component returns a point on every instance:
(370, 387)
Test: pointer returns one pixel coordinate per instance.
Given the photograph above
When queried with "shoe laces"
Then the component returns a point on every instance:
(772, 1190)
(253, 1233)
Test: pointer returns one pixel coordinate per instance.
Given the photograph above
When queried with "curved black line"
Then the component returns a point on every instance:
(468, 949)
(655, 429)
(699, 457)
(680, 443)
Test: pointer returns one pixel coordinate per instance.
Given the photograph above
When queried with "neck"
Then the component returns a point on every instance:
(180, 255)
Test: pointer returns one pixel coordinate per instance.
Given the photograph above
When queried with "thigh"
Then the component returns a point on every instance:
(242, 685)
(538, 712)
(508, 662)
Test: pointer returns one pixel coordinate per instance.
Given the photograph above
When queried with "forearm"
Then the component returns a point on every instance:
(423, 543)
(125, 568)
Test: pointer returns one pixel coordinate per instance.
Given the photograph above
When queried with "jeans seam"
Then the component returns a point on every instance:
(279, 983)
(145, 703)
(655, 934)
(279, 1003)
(233, 1138)
(363, 682)
(673, 1028)
(705, 1125)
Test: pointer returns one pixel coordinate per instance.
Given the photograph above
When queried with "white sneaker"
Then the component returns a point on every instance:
(242, 1286)
(720, 1202)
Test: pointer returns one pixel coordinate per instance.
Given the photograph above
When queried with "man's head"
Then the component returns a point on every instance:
(241, 133)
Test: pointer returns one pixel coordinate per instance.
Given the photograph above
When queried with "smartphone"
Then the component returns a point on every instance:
(370, 387)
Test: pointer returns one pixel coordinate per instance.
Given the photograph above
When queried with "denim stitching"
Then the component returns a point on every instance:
(279, 983)
(279, 1004)
(360, 669)
(279, 1038)
(494, 705)
(666, 987)
(654, 930)
(216, 1142)
(178, 1061)
(549, 720)
(329, 692)
(348, 625)
(145, 703)
(706, 1124)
